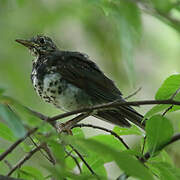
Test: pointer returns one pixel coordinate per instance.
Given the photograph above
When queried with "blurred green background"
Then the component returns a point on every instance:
(131, 46)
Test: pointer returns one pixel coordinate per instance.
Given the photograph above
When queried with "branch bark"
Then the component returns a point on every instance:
(112, 105)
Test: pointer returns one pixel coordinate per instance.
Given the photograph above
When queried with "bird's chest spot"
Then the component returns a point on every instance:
(57, 91)
(53, 86)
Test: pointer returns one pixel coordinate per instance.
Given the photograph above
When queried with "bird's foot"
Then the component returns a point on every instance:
(67, 126)
(64, 128)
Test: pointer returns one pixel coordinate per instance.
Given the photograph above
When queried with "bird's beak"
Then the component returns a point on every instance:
(26, 43)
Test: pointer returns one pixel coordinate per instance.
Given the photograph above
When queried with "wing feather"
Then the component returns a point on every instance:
(77, 69)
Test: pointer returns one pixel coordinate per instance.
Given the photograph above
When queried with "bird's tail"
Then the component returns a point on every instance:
(121, 115)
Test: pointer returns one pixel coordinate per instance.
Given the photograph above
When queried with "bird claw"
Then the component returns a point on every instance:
(64, 128)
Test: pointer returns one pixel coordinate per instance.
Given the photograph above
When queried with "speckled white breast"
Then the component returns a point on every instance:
(63, 95)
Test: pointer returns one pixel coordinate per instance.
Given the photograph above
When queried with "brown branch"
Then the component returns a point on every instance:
(24, 159)
(14, 145)
(40, 116)
(112, 105)
(103, 129)
(102, 107)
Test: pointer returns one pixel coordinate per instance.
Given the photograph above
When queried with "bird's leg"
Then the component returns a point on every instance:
(66, 127)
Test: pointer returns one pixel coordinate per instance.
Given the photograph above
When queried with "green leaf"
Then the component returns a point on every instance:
(70, 163)
(133, 130)
(6, 133)
(110, 141)
(168, 88)
(2, 90)
(163, 6)
(128, 29)
(20, 2)
(58, 174)
(167, 171)
(156, 109)
(21, 110)
(78, 132)
(124, 160)
(30, 173)
(97, 164)
(58, 152)
(56, 171)
(159, 130)
(26, 147)
(13, 121)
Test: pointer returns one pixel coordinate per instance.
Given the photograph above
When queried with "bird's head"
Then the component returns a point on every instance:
(38, 45)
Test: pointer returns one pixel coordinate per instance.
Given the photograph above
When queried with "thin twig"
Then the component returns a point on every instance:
(37, 114)
(68, 153)
(8, 164)
(48, 151)
(144, 142)
(133, 94)
(14, 145)
(172, 140)
(175, 138)
(24, 159)
(49, 157)
(172, 97)
(83, 160)
(103, 129)
(40, 116)
(75, 160)
(168, 109)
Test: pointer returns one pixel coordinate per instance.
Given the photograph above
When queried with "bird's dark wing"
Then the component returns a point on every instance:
(77, 69)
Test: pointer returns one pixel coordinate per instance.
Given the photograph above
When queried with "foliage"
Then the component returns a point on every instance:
(116, 28)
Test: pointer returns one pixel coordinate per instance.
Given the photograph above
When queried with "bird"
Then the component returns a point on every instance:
(71, 80)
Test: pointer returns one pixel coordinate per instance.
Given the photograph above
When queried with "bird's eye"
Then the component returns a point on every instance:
(42, 40)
